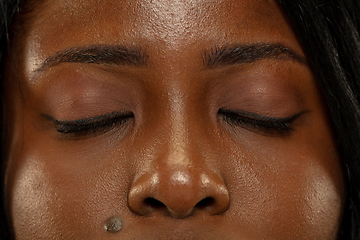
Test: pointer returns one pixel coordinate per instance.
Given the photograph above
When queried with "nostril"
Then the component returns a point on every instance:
(153, 203)
(206, 202)
(153, 195)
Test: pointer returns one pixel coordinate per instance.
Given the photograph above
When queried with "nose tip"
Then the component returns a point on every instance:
(179, 194)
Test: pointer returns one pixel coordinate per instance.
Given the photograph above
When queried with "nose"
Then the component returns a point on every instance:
(179, 192)
(182, 176)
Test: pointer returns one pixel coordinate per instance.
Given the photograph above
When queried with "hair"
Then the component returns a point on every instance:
(329, 33)
(8, 9)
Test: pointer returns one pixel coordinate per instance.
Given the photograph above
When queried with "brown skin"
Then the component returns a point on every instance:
(206, 178)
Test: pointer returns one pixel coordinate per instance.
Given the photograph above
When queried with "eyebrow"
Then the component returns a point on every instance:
(248, 53)
(135, 56)
(98, 54)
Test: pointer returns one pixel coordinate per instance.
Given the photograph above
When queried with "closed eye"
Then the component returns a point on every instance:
(259, 123)
(92, 125)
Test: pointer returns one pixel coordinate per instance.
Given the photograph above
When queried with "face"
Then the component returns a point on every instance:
(179, 119)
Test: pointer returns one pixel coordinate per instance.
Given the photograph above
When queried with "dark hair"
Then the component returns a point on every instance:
(329, 33)
(8, 9)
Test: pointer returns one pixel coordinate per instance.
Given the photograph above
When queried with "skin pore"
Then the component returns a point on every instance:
(179, 119)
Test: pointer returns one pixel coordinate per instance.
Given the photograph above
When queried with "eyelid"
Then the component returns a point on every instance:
(259, 123)
(259, 116)
(89, 124)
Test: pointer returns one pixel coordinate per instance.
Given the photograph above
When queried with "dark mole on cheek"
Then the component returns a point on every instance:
(113, 224)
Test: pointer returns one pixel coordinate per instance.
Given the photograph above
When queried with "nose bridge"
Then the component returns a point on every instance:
(179, 135)
(180, 161)
(178, 112)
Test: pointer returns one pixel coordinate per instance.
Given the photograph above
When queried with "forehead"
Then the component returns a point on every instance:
(165, 19)
(171, 25)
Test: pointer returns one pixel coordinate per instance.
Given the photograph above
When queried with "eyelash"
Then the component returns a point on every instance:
(250, 121)
(92, 125)
(259, 123)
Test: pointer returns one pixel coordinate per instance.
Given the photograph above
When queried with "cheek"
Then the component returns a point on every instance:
(52, 192)
(295, 188)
